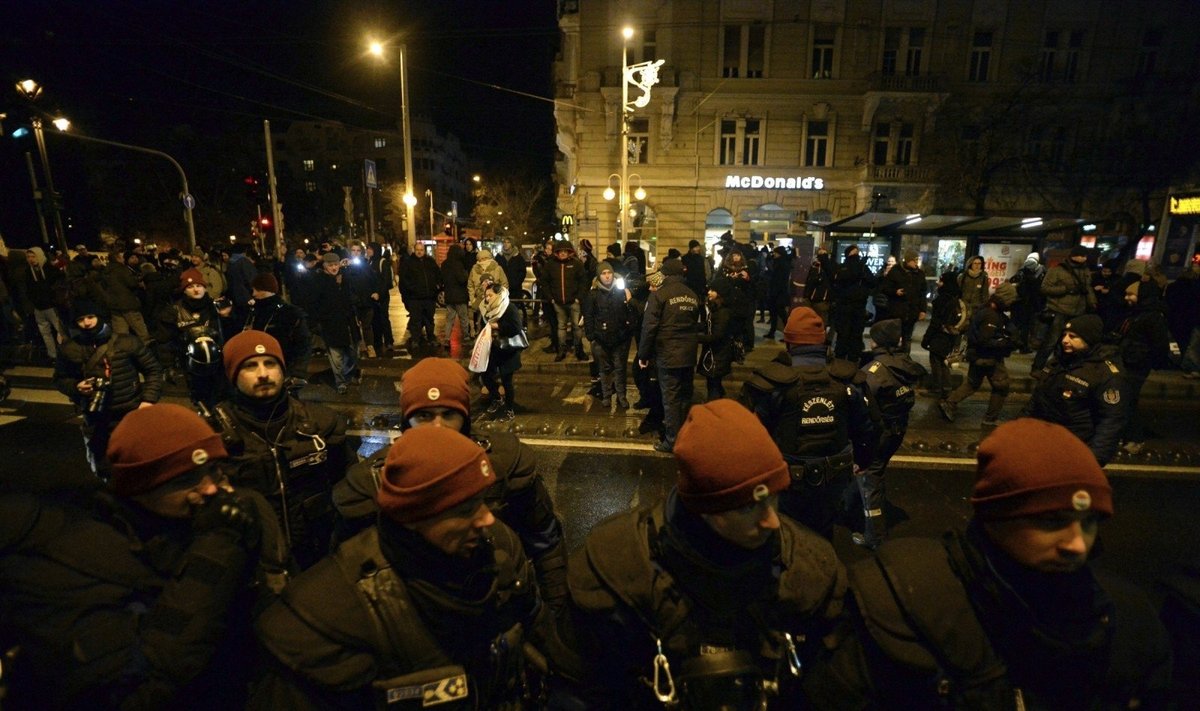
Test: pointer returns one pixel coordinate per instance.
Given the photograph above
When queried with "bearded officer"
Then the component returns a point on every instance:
(291, 451)
(432, 605)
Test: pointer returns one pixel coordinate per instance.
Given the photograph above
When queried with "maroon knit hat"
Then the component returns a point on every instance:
(435, 382)
(191, 276)
(429, 470)
(265, 281)
(246, 345)
(155, 444)
(804, 327)
(1029, 467)
(726, 459)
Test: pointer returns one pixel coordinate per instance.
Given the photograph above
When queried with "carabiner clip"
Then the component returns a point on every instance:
(662, 666)
(793, 658)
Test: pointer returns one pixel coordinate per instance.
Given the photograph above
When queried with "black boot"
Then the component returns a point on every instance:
(562, 355)
(579, 354)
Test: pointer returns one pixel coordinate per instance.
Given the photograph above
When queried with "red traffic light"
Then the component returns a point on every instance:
(264, 221)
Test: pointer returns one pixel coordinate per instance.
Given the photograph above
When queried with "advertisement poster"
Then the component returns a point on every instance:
(1002, 260)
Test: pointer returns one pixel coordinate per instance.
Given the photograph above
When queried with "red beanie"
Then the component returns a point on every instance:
(1029, 467)
(246, 345)
(804, 327)
(191, 276)
(264, 281)
(429, 470)
(435, 382)
(155, 444)
(726, 459)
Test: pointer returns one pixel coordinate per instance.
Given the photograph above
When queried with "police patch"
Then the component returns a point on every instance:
(433, 394)
(1112, 396)
(1081, 500)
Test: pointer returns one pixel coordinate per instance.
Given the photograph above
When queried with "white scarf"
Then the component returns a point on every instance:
(497, 308)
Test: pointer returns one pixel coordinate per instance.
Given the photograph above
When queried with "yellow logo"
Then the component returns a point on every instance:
(199, 457)
(761, 492)
(1081, 500)
(433, 394)
(485, 467)
(260, 349)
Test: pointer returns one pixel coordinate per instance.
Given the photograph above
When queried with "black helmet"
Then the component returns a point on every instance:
(203, 355)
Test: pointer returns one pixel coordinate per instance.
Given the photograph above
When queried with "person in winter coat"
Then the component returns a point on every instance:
(512, 261)
(1012, 613)
(1068, 292)
(106, 375)
(470, 252)
(568, 284)
(212, 275)
(1183, 317)
(486, 269)
(284, 322)
(696, 268)
(852, 285)
(779, 288)
(365, 293)
(1030, 303)
(973, 283)
(1109, 284)
(904, 287)
(948, 322)
(669, 337)
(735, 275)
(609, 313)
(716, 340)
(1144, 343)
(989, 342)
(122, 288)
(381, 264)
(891, 379)
(502, 316)
(590, 263)
(818, 283)
(238, 272)
(458, 299)
(1082, 387)
(333, 314)
(199, 327)
(420, 282)
(35, 296)
(542, 262)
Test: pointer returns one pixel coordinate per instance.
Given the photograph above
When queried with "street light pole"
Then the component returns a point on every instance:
(429, 197)
(409, 200)
(50, 197)
(623, 203)
(37, 197)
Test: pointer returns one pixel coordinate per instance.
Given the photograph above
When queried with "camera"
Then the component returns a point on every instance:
(98, 396)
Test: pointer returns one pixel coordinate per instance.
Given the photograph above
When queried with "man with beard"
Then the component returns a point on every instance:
(1068, 291)
(1009, 614)
(285, 322)
(852, 284)
(99, 370)
(435, 602)
(1082, 388)
(290, 451)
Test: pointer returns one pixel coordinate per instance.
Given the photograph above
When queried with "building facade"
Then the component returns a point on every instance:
(772, 119)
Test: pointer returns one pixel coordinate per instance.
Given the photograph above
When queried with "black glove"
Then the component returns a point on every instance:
(226, 511)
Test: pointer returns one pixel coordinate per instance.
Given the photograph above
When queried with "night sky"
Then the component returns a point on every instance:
(129, 70)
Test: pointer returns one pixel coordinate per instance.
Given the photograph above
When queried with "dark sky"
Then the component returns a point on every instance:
(125, 69)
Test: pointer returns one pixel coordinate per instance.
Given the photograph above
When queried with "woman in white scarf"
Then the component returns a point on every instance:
(505, 359)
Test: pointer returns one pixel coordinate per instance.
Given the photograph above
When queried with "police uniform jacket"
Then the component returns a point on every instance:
(119, 358)
(957, 624)
(670, 325)
(891, 379)
(1086, 394)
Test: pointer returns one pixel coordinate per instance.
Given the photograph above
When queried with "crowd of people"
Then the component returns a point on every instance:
(238, 554)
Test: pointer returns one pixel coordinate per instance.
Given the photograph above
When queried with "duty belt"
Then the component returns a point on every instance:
(819, 471)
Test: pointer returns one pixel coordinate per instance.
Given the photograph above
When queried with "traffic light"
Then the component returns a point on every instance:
(252, 184)
(264, 223)
(448, 230)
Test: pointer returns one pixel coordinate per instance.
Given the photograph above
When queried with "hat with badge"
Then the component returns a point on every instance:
(429, 470)
(1030, 467)
(245, 346)
(435, 382)
(153, 445)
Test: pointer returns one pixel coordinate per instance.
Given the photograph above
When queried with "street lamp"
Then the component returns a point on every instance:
(376, 49)
(648, 73)
(639, 193)
(31, 90)
(429, 197)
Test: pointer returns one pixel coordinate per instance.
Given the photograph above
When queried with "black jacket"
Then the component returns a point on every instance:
(607, 317)
(1085, 393)
(989, 337)
(119, 358)
(454, 276)
(419, 278)
(286, 323)
(716, 342)
(694, 273)
(909, 305)
(333, 310)
(1144, 340)
(363, 282)
(852, 283)
(514, 270)
(670, 325)
(567, 282)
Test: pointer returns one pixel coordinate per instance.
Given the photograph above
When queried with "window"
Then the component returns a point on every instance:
(881, 144)
(899, 41)
(981, 57)
(743, 51)
(639, 140)
(1071, 60)
(1046, 63)
(904, 146)
(309, 166)
(916, 43)
(816, 144)
(649, 45)
(891, 49)
(310, 186)
(740, 142)
(381, 143)
(824, 39)
(1148, 54)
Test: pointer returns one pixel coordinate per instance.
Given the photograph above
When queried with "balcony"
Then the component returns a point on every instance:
(898, 174)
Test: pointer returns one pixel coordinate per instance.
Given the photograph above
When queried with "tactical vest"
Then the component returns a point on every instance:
(414, 670)
(895, 378)
(810, 409)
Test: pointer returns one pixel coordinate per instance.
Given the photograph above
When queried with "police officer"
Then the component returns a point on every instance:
(710, 598)
(669, 337)
(199, 336)
(1081, 388)
(891, 380)
(107, 375)
(1011, 613)
(818, 415)
(433, 605)
(436, 392)
(290, 451)
(990, 339)
(141, 598)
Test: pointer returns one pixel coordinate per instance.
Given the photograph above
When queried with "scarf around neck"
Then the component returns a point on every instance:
(496, 309)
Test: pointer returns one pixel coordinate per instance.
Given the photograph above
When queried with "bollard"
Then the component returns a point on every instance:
(456, 340)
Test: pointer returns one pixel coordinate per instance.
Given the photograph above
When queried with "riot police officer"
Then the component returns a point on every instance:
(290, 451)
(819, 417)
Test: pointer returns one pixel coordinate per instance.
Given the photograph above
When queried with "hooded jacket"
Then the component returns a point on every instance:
(1068, 291)
(485, 266)
(567, 280)
(454, 276)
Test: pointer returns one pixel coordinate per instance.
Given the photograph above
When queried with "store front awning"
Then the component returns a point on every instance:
(891, 223)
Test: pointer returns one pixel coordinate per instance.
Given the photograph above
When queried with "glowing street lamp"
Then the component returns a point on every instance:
(642, 76)
(376, 49)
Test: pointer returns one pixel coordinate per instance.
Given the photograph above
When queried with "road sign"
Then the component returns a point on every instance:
(369, 167)
(188, 200)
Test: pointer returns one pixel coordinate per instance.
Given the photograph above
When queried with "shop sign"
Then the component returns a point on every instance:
(772, 183)
(1180, 204)
(1002, 261)
(770, 215)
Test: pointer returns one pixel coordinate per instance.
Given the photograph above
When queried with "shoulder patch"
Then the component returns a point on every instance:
(1112, 366)
(874, 367)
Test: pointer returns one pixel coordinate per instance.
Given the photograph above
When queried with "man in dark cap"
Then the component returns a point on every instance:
(1082, 388)
(711, 593)
(851, 287)
(285, 322)
(433, 603)
(290, 451)
(144, 599)
(904, 286)
(106, 375)
(1009, 614)
(990, 339)
(697, 269)
(333, 313)
(670, 331)
(1068, 291)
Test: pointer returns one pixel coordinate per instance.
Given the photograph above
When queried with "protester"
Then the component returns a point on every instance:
(989, 343)
(508, 340)
(609, 314)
